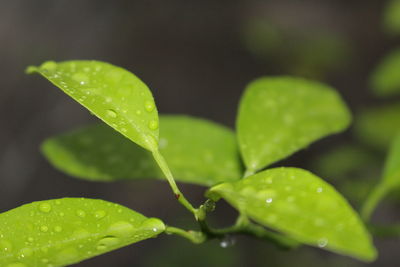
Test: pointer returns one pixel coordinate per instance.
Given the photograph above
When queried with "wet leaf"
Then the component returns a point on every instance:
(385, 79)
(296, 202)
(281, 115)
(111, 93)
(198, 151)
(64, 231)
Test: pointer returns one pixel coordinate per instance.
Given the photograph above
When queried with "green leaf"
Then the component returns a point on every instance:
(385, 79)
(391, 173)
(378, 127)
(296, 202)
(198, 151)
(281, 115)
(64, 231)
(390, 180)
(111, 93)
(392, 17)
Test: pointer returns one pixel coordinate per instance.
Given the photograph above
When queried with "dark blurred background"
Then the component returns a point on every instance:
(196, 56)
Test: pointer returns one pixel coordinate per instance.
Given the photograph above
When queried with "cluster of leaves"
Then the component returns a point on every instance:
(277, 116)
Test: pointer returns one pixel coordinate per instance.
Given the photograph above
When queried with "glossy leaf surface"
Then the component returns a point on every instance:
(378, 127)
(385, 80)
(197, 151)
(60, 232)
(281, 115)
(301, 205)
(111, 93)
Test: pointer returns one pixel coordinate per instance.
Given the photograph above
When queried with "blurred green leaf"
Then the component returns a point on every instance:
(198, 151)
(113, 94)
(64, 231)
(378, 126)
(311, 53)
(301, 205)
(385, 79)
(390, 180)
(281, 115)
(343, 161)
(392, 17)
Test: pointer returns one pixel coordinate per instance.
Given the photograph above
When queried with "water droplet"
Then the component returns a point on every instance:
(80, 77)
(269, 200)
(227, 241)
(5, 246)
(149, 106)
(25, 252)
(44, 228)
(45, 207)
(124, 130)
(100, 214)
(58, 202)
(58, 229)
(153, 125)
(320, 189)
(107, 242)
(153, 224)
(111, 113)
(49, 65)
(322, 242)
(81, 213)
(30, 239)
(121, 229)
(61, 214)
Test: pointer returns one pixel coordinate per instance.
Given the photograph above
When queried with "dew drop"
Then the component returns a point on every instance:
(121, 229)
(45, 207)
(111, 113)
(81, 213)
(25, 252)
(107, 242)
(149, 106)
(320, 190)
(5, 246)
(153, 125)
(227, 241)
(80, 77)
(124, 130)
(58, 229)
(269, 200)
(61, 214)
(44, 228)
(100, 214)
(322, 242)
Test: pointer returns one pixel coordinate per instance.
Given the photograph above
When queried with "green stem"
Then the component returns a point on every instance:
(194, 236)
(377, 194)
(244, 226)
(167, 172)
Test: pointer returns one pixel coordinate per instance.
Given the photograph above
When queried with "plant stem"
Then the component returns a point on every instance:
(167, 172)
(244, 226)
(194, 236)
(372, 201)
